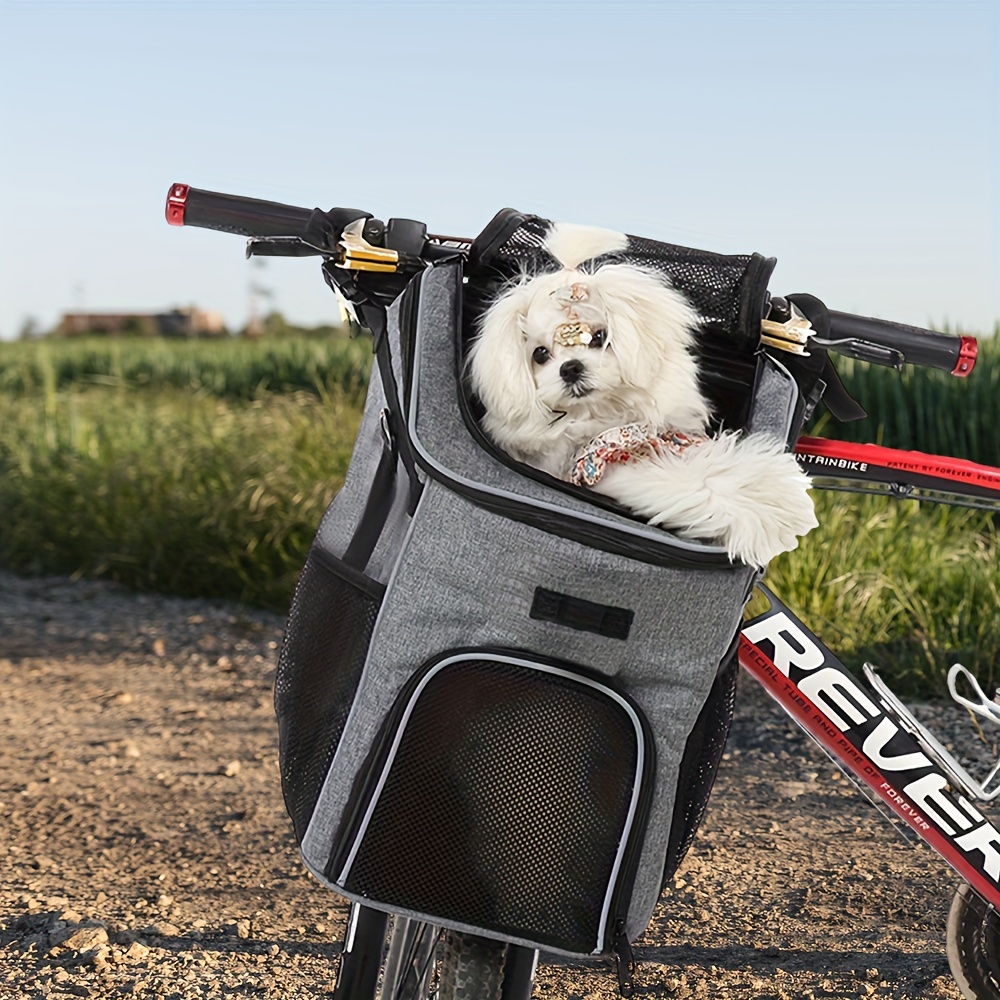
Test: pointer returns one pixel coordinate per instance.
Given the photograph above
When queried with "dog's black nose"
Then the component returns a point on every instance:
(571, 371)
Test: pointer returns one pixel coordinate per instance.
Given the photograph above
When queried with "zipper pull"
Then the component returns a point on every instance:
(625, 965)
(385, 424)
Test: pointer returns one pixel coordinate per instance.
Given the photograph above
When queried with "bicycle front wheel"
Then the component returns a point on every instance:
(470, 967)
(973, 945)
(395, 958)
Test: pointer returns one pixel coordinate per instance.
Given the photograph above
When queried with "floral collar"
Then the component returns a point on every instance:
(623, 444)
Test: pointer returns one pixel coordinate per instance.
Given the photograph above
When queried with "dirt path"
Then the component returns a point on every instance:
(144, 848)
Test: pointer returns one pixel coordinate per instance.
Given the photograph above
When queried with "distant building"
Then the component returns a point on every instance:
(189, 322)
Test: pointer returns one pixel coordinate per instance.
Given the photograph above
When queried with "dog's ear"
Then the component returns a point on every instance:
(498, 365)
(647, 319)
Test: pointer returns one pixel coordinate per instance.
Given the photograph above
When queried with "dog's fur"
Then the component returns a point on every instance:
(743, 492)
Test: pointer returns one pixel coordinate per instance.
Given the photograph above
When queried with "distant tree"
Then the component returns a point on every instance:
(30, 329)
(275, 325)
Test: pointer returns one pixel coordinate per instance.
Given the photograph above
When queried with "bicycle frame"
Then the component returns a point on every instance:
(883, 749)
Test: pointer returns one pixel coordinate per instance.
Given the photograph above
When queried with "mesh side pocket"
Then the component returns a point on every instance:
(700, 762)
(326, 642)
(509, 800)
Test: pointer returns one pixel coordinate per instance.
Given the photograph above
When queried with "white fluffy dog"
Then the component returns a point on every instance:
(589, 375)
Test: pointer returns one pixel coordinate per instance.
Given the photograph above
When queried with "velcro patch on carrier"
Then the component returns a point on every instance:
(586, 616)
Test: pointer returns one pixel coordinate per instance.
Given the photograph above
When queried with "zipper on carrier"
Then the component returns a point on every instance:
(625, 964)
(565, 524)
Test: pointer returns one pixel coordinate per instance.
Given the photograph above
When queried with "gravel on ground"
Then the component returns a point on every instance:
(145, 851)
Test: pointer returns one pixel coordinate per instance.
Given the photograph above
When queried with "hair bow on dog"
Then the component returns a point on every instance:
(576, 332)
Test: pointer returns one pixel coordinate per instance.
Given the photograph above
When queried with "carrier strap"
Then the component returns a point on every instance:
(375, 319)
(378, 505)
(396, 449)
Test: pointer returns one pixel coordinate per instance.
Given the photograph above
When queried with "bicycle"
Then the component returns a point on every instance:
(864, 728)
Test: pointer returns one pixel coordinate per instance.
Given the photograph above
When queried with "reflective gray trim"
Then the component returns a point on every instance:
(530, 665)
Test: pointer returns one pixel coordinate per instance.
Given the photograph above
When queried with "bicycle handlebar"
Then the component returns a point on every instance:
(916, 346)
(862, 337)
(229, 213)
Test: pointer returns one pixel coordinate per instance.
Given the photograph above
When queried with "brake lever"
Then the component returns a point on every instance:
(281, 246)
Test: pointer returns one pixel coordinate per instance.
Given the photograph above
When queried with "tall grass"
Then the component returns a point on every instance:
(166, 490)
(230, 368)
(911, 588)
(204, 468)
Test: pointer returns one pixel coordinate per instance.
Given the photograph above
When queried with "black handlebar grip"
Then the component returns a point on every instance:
(229, 213)
(926, 348)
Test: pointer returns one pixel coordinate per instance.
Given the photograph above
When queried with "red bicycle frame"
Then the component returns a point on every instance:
(860, 730)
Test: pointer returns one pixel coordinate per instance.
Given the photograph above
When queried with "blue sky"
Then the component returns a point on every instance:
(857, 142)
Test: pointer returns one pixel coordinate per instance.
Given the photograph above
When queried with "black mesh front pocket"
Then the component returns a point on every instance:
(508, 796)
(326, 642)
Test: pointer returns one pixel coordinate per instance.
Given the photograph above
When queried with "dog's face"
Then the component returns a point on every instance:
(568, 351)
(567, 344)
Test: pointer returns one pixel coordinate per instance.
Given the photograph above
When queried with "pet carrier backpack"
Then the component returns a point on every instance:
(501, 699)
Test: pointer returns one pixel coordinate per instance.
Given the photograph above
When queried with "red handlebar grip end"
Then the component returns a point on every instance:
(967, 354)
(177, 203)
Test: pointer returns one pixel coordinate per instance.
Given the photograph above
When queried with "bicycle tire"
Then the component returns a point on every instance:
(973, 945)
(470, 967)
(416, 961)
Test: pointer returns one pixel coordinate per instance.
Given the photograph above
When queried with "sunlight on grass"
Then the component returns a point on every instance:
(170, 490)
(910, 588)
(228, 368)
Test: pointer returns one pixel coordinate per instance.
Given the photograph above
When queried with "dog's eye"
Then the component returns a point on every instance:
(540, 355)
(598, 338)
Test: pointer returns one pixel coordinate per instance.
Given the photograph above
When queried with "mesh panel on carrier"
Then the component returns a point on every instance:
(325, 645)
(728, 291)
(505, 804)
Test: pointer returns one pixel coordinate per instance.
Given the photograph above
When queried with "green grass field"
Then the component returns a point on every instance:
(203, 468)
(174, 466)
(911, 588)
(227, 368)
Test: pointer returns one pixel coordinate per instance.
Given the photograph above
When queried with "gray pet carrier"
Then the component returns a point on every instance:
(501, 699)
